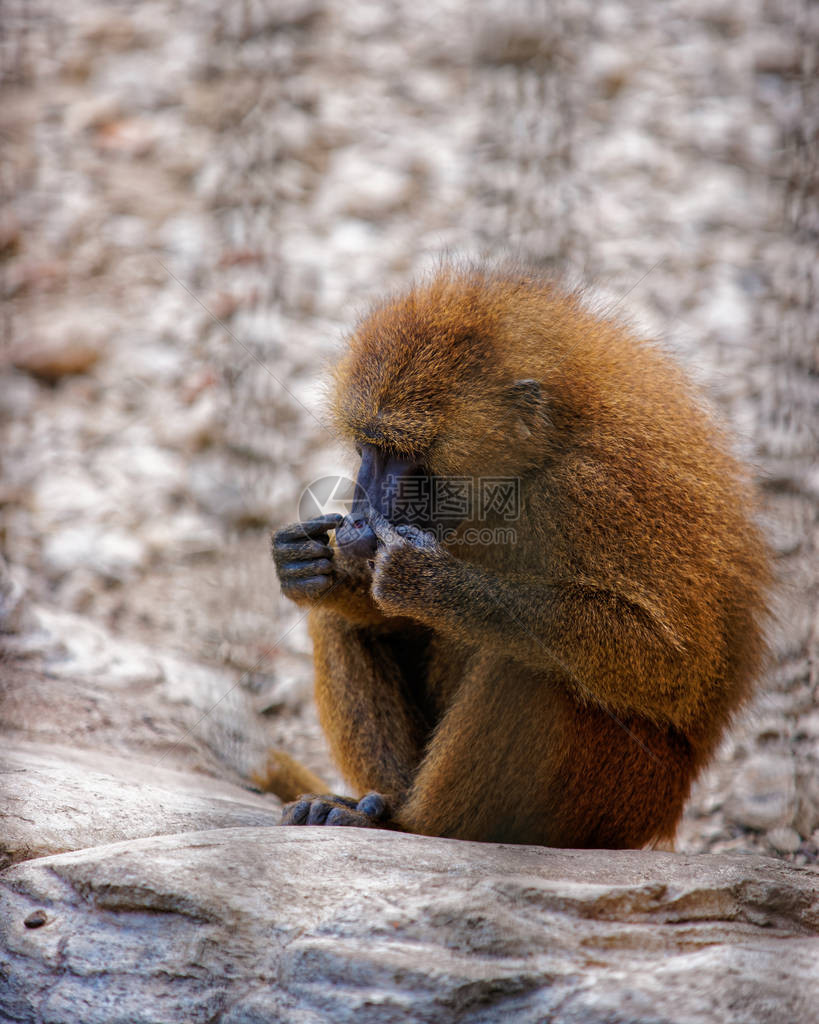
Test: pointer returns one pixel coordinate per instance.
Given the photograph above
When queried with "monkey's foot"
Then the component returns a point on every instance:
(371, 811)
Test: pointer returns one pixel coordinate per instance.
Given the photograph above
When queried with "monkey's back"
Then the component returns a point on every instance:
(641, 496)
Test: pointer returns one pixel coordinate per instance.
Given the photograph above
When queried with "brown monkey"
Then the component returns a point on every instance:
(562, 685)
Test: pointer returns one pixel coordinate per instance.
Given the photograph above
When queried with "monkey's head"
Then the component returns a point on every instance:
(427, 389)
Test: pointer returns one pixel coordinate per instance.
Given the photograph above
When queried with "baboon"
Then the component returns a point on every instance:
(561, 685)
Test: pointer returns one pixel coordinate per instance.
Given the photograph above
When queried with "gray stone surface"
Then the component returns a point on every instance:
(253, 924)
(61, 798)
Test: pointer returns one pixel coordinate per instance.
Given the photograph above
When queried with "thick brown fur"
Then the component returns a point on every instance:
(564, 689)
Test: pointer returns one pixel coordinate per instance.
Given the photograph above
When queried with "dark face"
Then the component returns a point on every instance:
(392, 485)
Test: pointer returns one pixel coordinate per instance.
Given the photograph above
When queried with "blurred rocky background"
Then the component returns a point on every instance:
(200, 197)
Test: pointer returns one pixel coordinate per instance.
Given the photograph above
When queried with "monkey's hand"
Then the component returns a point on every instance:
(308, 566)
(304, 559)
(371, 811)
(404, 553)
(314, 572)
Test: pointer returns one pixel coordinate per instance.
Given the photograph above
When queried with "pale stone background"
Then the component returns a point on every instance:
(202, 196)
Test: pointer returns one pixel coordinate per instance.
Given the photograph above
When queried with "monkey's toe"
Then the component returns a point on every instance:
(342, 816)
(295, 813)
(368, 812)
(374, 806)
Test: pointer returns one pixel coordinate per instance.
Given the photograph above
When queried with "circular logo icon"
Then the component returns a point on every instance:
(328, 494)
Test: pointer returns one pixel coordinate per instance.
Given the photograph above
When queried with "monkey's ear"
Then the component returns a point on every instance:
(529, 407)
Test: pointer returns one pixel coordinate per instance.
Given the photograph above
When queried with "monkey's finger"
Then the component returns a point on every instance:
(300, 551)
(382, 527)
(312, 528)
(309, 588)
(374, 806)
(304, 570)
(342, 816)
(319, 809)
(415, 535)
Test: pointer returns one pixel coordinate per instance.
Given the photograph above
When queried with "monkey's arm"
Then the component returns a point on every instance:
(612, 648)
(376, 731)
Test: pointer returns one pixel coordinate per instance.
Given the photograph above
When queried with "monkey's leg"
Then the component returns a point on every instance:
(369, 703)
(375, 727)
(516, 759)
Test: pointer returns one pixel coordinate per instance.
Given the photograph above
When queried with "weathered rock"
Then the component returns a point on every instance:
(56, 799)
(14, 613)
(53, 358)
(785, 839)
(113, 554)
(99, 713)
(249, 925)
(763, 795)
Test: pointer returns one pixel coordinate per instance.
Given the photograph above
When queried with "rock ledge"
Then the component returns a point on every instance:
(260, 924)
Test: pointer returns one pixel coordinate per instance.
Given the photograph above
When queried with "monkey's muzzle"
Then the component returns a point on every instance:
(383, 483)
